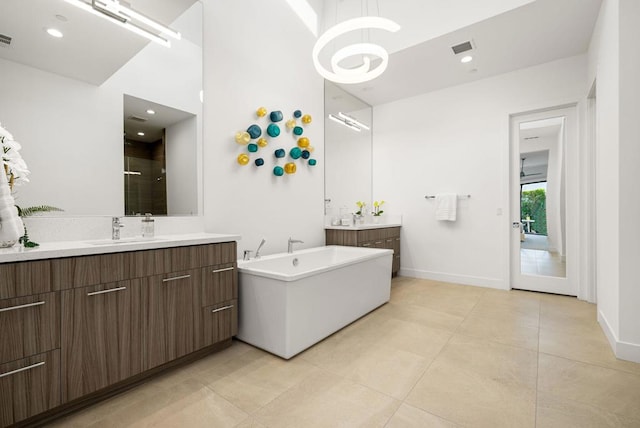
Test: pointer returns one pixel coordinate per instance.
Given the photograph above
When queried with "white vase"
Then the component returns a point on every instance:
(376, 219)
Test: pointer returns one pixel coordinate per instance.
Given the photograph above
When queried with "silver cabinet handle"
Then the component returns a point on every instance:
(28, 305)
(175, 278)
(222, 270)
(224, 308)
(378, 242)
(111, 290)
(33, 366)
(366, 245)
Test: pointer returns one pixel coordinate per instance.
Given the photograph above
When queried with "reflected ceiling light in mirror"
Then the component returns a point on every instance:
(353, 120)
(123, 16)
(132, 173)
(466, 59)
(141, 134)
(365, 51)
(150, 111)
(344, 122)
(54, 32)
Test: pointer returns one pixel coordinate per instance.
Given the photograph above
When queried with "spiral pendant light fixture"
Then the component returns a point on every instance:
(365, 51)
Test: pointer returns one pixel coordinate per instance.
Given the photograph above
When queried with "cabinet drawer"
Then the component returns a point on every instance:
(73, 272)
(29, 386)
(219, 322)
(219, 284)
(217, 254)
(29, 325)
(25, 278)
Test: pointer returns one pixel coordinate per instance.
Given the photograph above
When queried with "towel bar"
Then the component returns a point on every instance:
(459, 196)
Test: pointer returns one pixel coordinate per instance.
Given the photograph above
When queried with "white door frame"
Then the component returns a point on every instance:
(567, 285)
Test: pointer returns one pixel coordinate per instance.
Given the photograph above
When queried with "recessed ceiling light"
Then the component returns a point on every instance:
(54, 32)
(466, 59)
(141, 134)
(150, 111)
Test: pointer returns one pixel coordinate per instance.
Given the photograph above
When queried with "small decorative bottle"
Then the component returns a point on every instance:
(147, 226)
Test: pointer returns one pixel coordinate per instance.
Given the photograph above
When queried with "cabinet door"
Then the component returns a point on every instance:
(170, 314)
(29, 386)
(100, 334)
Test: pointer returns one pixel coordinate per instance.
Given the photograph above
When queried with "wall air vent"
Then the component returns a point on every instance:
(137, 119)
(531, 138)
(5, 40)
(462, 47)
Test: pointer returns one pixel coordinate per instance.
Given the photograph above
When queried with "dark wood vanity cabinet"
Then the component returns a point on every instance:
(381, 237)
(76, 326)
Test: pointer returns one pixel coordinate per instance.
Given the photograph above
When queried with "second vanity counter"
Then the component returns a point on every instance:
(50, 250)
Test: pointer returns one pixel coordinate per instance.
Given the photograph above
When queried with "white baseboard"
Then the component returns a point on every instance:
(453, 278)
(623, 350)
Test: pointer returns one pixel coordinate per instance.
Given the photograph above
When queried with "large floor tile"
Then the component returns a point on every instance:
(411, 417)
(509, 328)
(479, 383)
(327, 400)
(388, 370)
(261, 381)
(558, 412)
(421, 315)
(614, 391)
(590, 348)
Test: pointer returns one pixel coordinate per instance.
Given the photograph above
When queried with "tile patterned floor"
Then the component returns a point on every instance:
(537, 262)
(437, 355)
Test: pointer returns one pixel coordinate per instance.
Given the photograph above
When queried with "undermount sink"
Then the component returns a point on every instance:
(123, 241)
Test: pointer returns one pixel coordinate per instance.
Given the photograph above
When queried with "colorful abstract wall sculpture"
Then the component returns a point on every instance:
(253, 140)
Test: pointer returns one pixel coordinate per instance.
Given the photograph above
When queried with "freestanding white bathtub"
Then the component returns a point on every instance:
(288, 302)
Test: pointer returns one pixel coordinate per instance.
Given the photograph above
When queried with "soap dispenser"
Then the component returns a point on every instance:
(147, 226)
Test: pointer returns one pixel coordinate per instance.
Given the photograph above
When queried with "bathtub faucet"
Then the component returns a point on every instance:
(260, 246)
(290, 244)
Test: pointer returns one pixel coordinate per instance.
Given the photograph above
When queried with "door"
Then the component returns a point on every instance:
(543, 195)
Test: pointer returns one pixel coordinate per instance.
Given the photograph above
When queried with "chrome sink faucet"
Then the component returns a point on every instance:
(115, 228)
(290, 244)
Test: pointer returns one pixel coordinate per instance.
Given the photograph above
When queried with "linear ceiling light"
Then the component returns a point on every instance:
(123, 16)
(364, 72)
(353, 120)
(344, 122)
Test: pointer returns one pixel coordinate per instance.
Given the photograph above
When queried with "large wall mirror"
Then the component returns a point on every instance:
(77, 104)
(348, 151)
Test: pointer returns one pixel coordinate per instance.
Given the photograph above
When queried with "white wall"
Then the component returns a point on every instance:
(259, 54)
(604, 60)
(457, 140)
(615, 65)
(182, 167)
(629, 178)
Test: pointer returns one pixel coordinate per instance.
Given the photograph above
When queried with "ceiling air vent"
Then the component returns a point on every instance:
(137, 119)
(5, 40)
(462, 47)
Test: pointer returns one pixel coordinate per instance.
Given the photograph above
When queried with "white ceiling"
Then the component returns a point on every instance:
(92, 48)
(531, 34)
(154, 124)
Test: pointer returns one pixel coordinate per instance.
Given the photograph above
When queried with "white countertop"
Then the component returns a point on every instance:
(51, 250)
(365, 226)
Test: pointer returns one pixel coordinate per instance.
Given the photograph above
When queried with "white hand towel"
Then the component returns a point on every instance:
(446, 204)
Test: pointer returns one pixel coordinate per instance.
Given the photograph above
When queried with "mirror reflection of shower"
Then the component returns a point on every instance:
(158, 143)
(542, 198)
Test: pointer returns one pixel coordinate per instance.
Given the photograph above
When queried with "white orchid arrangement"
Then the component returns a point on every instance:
(15, 167)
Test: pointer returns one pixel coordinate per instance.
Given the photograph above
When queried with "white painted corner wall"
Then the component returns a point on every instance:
(457, 140)
(256, 54)
(614, 64)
